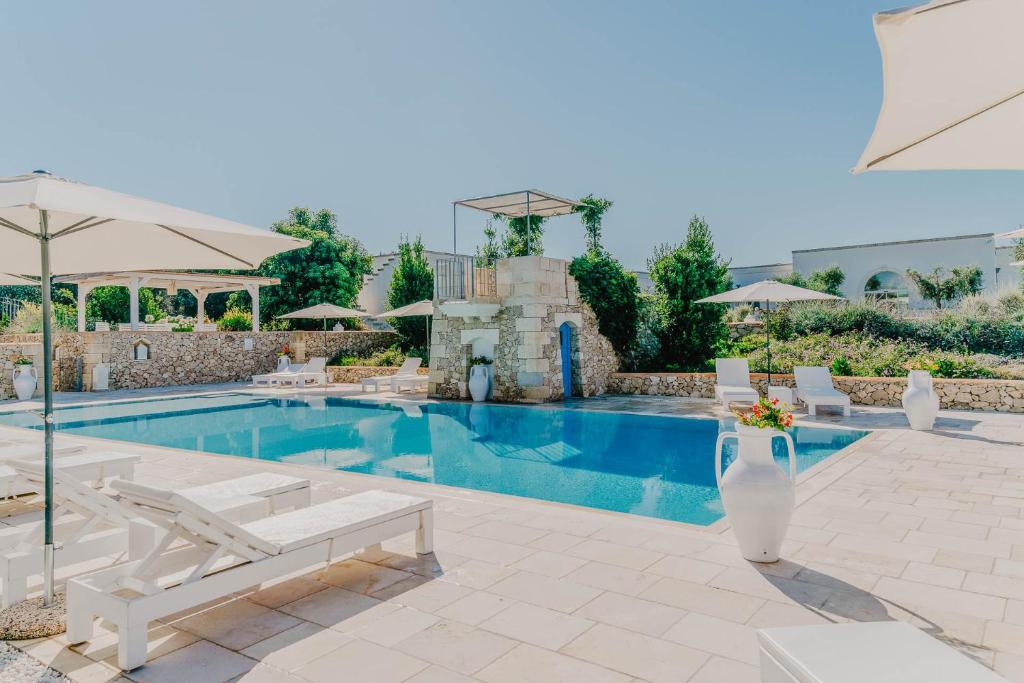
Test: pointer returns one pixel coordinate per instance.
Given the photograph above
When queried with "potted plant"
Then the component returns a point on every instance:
(283, 358)
(25, 378)
(480, 377)
(757, 495)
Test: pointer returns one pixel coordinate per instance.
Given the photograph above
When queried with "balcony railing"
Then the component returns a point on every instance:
(459, 279)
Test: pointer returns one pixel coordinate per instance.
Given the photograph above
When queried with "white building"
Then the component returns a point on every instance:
(373, 297)
(880, 269)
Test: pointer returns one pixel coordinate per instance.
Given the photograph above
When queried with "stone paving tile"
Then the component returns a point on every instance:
(536, 625)
(475, 607)
(543, 591)
(612, 578)
(714, 602)
(333, 607)
(624, 611)
(530, 664)
(718, 636)
(237, 624)
(637, 655)
(719, 670)
(456, 646)
(437, 674)
(297, 646)
(202, 661)
(555, 565)
(614, 553)
(362, 660)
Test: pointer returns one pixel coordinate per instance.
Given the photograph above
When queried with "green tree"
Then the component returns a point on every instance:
(829, 280)
(412, 281)
(491, 250)
(612, 293)
(794, 278)
(111, 304)
(330, 270)
(592, 210)
(513, 242)
(938, 286)
(683, 274)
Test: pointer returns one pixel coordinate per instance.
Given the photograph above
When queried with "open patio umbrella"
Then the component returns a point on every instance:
(424, 308)
(767, 291)
(55, 226)
(953, 91)
(12, 279)
(324, 312)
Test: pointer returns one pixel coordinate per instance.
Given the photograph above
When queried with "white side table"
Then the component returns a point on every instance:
(784, 394)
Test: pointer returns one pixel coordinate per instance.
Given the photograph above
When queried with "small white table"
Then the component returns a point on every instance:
(784, 394)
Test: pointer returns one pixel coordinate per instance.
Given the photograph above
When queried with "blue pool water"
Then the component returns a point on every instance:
(642, 464)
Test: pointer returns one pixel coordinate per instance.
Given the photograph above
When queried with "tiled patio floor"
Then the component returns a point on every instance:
(921, 527)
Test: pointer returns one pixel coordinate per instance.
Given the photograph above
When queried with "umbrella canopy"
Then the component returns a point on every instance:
(767, 291)
(11, 279)
(324, 312)
(51, 225)
(425, 307)
(953, 93)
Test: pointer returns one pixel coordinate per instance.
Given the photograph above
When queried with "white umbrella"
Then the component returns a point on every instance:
(954, 96)
(425, 307)
(12, 279)
(324, 312)
(767, 291)
(55, 226)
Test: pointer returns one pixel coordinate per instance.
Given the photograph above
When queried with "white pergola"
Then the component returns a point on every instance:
(200, 284)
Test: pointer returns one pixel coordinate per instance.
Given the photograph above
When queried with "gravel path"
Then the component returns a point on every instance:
(18, 667)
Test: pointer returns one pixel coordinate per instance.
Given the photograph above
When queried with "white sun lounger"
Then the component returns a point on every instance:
(407, 370)
(272, 378)
(872, 652)
(314, 372)
(412, 383)
(814, 388)
(87, 467)
(90, 525)
(221, 557)
(732, 381)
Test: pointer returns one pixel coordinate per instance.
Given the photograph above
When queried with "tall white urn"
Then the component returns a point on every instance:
(920, 402)
(757, 495)
(25, 380)
(479, 382)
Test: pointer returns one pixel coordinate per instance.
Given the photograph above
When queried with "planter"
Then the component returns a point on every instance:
(757, 495)
(25, 380)
(920, 402)
(480, 382)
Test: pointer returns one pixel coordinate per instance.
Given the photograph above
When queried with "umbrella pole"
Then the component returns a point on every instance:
(768, 337)
(325, 337)
(44, 257)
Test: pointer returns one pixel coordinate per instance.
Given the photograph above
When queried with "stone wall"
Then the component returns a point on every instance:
(737, 330)
(354, 374)
(177, 357)
(536, 295)
(960, 394)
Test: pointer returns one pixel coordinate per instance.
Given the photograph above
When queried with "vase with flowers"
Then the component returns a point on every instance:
(757, 494)
(283, 358)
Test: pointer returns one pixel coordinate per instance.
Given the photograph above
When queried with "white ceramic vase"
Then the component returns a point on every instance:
(757, 495)
(920, 402)
(24, 381)
(479, 382)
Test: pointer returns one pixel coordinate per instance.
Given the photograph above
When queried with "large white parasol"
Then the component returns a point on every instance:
(55, 226)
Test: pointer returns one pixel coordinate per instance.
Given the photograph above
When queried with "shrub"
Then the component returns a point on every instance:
(644, 352)
(390, 357)
(841, 367)
(612, 293)
(235, 320)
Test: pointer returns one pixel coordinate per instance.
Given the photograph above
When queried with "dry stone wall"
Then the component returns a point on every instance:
(354, 374)
(960, 394)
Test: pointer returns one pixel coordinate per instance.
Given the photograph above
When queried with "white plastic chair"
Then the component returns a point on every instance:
(732, 382)
(408, 369)
(814, 388)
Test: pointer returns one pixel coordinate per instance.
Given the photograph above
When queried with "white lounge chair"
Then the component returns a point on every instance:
(313, 373)
(814, 388)
(732, 381)
(283, 368)
(95, 467)
(408, 370)
(220, 557)
(410, 382)
(873, 651)
(89, 525)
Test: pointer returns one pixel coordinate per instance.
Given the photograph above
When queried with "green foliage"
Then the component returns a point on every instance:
(682, 274)
(111, 304)
(412, 281)
(29, 318)
(938, 286)
(829, 280)
(513, 238)
(387, 358)
(841, 367)
(645, 351)
(491, 250)
(330, 270)
(480, 360)
(592, 210)
(612, 292)
(235, 320)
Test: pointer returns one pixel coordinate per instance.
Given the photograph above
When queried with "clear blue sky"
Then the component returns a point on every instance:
(748, 112)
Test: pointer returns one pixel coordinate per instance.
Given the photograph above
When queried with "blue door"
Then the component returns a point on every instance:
(565, 331)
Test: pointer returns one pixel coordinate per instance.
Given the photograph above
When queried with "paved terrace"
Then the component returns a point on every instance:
(921, 527)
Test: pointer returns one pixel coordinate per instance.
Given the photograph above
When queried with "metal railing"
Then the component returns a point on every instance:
(461, 279)
(9, 308)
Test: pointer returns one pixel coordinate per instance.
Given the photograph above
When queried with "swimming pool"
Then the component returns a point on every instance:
(650, 465)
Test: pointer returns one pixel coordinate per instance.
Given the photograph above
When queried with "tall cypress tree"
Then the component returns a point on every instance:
(412, 281)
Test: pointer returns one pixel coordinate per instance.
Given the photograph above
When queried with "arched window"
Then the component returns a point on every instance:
(887, 285)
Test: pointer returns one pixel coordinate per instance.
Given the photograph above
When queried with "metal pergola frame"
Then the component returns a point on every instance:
(515, 205)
